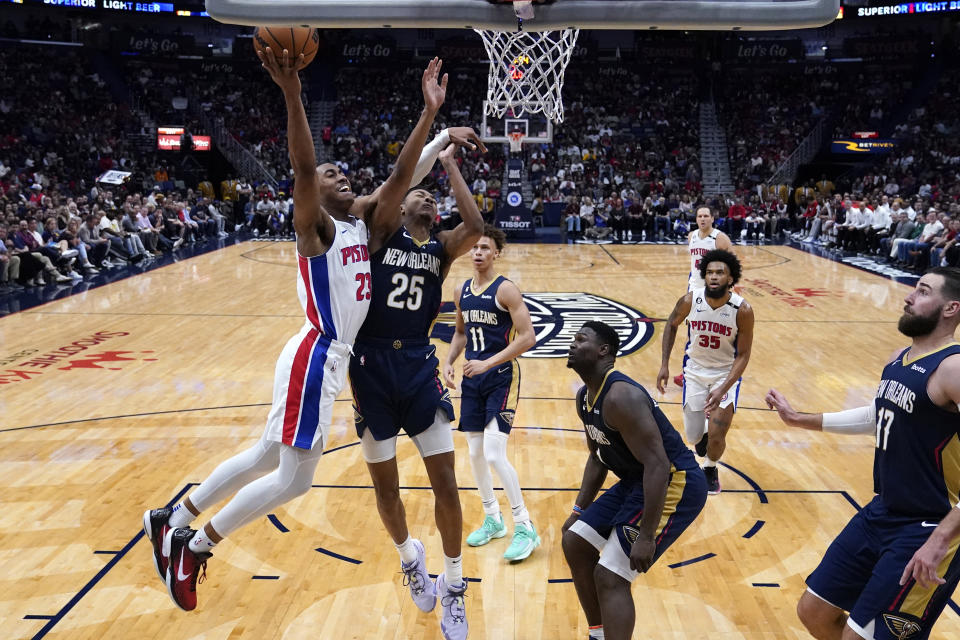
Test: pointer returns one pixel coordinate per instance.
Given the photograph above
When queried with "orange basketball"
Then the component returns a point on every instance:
(296, 40)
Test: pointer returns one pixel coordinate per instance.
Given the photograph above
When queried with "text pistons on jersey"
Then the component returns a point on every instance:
(481, 317)
(356, 253)
(712, 327)
(413, 260)
(699, 251)
(897, 393)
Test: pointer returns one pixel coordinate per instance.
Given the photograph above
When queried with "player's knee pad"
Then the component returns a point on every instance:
(437, 439)
(694, 424)
(495, 447)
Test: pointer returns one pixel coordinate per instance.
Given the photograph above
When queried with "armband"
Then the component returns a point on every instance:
(859, 420)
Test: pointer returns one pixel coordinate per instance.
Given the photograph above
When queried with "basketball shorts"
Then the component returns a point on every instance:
(610, 523)
(860, 573)
(492, 395)
(310, 373)
(396, 388)
(697, 384)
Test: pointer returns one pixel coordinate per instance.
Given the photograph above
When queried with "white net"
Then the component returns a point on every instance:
(526, 70)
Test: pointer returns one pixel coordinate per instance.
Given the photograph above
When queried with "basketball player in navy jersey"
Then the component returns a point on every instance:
(608, 540)
(720, 339)
(494, 326)
(893, 568)
(396, 384)
(333, 285)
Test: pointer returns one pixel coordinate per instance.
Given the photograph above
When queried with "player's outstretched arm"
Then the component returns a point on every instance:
(510, 298)
(744, 346)
(790, 416)
(460, 136)
(383, 211)
(680, 311)
(315, 228)
(627, 410)
(457, 343)
(458, 240)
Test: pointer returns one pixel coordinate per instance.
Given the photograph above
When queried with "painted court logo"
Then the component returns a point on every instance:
(557, 317)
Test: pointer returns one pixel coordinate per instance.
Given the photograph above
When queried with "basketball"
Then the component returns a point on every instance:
(296, 40)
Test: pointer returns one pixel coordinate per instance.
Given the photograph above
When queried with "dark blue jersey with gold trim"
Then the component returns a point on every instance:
(407, 288)
(488, 327)
(916, 467)
(612, 449)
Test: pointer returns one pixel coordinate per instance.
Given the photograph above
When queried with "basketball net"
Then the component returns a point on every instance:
(526, 70)
(516, 141)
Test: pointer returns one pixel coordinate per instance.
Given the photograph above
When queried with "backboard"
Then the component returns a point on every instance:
(481, 14)
(536, 127)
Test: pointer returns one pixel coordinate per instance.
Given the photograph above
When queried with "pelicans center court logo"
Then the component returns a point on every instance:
(558, 316)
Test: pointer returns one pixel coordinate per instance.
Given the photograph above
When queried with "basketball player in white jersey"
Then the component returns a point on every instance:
(700, 241)
(703, 239)
(720, 337)
(333, 227)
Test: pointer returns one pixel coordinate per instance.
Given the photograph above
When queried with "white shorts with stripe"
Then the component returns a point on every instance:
(697, 384)
(310, 373)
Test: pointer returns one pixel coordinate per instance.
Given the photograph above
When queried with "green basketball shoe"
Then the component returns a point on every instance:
(525, 540)
(491, 528)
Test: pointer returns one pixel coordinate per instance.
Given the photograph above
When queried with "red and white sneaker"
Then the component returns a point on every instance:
(186, 568)
(678, 380)
(156, 527)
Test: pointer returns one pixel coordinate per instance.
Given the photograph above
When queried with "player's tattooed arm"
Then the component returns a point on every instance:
(627, 410)
(680, 311)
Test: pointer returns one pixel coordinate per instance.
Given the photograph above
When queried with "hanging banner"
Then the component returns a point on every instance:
(514, 217)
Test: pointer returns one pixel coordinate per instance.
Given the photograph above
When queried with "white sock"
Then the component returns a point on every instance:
(453, 570)
(201, 542)
(707, 462)
(520, 515)
(492, 508)
(596, 633)
(181, 516)
(408, 553)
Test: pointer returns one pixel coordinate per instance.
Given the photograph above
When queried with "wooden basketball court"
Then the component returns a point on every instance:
(136, 390)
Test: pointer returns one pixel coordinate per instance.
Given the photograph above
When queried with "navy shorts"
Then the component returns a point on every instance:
(396, 388)
(620, 508)
(493, 394)
(860, 573)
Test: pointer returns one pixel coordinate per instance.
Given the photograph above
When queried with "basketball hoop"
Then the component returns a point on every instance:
(526, 70)
(516, 141)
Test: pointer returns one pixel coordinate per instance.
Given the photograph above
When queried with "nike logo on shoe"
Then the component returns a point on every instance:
(929, 524)
(180, 576)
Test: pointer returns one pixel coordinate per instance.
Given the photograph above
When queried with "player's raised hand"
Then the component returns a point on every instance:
(433, 93)
(662, 378)
(923, 565)
(283, 70)
(466, 137)
(449, 154)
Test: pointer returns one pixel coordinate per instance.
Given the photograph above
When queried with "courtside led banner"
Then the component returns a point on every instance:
(906, 8)
(863, 147)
